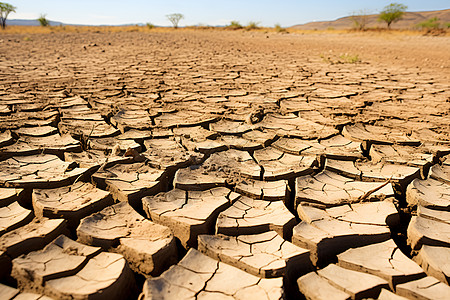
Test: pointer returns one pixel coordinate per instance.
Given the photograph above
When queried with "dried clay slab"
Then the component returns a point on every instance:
(429, 193)
(53, 144)
(36, 131)
(194, 134)
(230, 127)
(184, 118)
(95, 129)
(188, 213)
(384, 260)
(277, 165)
(228, 167)
(367, 171)
(199, 178)
(94, 159)
(10, 195)
(428, 231)
(148, 247)
(198, 275)
(240, 143)
(293, 126)
(251, 216)
(388, 295)
(264, 190)
(425, 288)
(62, 257)
(441, 172)
(330, 189)
(38, 171)
(72, 202)
(6, 138)
(356, 284)
(265, 255)
(132, 119)
(336, 147)
(435, 261)
(131, 182)
(419, 157)
(9, 293)
(110, 144)
(33, 236)
(328, 232)
(434, 214)
(371, 134)
(169, 155)
(13, 216)
(312, 286)
(106, 275)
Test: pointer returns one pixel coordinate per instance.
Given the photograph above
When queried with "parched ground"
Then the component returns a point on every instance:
(216, 164)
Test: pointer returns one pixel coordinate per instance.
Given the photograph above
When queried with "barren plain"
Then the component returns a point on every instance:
(211, 164)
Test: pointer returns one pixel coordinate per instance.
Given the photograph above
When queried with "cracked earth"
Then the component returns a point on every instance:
(224, 165)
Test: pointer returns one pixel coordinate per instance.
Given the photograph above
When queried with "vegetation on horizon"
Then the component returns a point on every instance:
(280, 29)
(392, 13)
(360, 19)
(5, 10)
(234, 25)
(43, 20)
(252, 25)
(432, 23)
(175, 19)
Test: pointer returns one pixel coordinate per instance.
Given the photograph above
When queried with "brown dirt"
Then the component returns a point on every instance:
(269, 106)
(417, 53)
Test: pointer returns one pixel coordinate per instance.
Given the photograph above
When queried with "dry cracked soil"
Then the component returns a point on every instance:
(224, 165)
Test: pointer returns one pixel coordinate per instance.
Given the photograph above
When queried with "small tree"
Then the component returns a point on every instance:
(5, 9)
(175, 19)
(43, 20)
(392, 13)
(360, 19)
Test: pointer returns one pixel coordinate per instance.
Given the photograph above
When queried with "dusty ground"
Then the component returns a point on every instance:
(293, 152)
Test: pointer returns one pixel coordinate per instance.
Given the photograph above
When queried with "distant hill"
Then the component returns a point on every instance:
(20, 22)
(409, 21)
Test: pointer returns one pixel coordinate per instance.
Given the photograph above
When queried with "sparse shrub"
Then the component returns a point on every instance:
(432, 23)
(43, 21)
(175, 19)
(341, 59)
(359, 19)
(392, 13)
(447, 25)
(252, 25)
(235, 25)
(326, 59)
(5, 10)
(350, 59)
(278, 28)
(150, 25)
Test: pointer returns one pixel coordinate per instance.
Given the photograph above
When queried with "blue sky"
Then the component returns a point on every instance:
(266, 12)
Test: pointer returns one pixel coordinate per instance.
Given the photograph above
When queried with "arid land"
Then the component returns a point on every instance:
(238, 164)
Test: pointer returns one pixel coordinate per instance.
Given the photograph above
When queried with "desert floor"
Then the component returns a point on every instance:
(224, 164)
